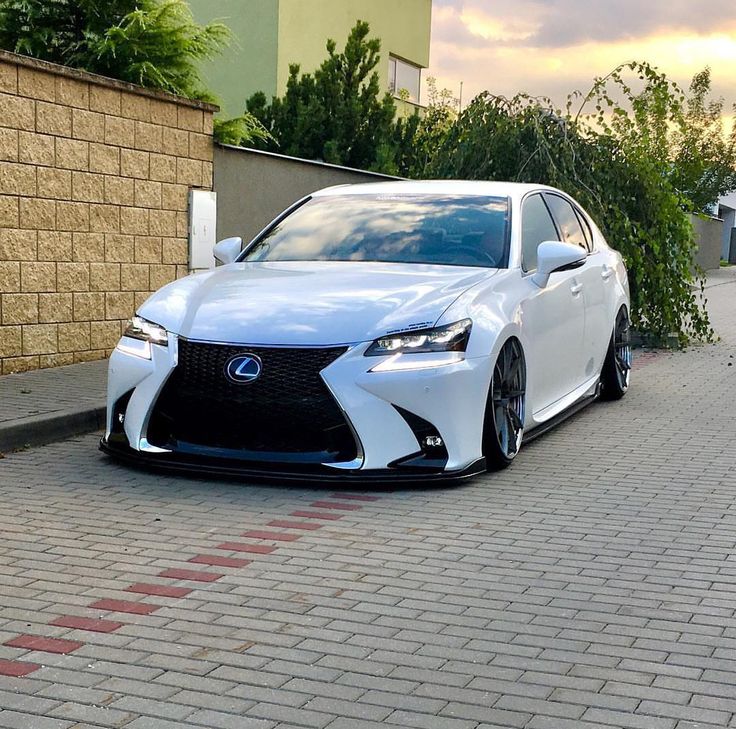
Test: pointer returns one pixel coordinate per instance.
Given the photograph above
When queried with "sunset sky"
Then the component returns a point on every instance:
(550, 47)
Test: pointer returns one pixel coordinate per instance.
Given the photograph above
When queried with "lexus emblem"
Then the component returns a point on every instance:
(243, 369)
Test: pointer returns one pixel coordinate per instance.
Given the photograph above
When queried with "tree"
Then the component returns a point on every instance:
(704, 158)
(419, 137)
(151, 43)
(616, 160)
(335, 114)
(146, 42)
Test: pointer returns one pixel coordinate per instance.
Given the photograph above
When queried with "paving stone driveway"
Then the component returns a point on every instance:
(590, 585)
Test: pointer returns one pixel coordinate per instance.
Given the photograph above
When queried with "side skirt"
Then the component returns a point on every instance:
(557, 419)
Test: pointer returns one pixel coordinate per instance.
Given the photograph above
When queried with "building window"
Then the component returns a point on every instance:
(405, 76)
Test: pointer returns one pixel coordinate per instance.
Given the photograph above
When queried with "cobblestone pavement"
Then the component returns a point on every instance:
(590, 585)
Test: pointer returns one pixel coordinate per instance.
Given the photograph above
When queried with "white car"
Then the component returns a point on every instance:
(398, 330)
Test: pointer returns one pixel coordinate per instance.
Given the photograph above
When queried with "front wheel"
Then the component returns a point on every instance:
(616, 373)
(503, 427)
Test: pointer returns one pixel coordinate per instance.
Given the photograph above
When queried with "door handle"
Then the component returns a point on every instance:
(606, 273)
(576, 289)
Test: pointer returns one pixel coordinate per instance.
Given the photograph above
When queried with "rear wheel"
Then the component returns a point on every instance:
(503, 427)
(616, 372)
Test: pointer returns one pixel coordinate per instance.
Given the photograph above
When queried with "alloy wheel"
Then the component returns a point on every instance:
(508, 394)
(622, 349)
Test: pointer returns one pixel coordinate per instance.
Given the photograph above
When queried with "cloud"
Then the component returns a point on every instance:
(561, 23)
(552, 47)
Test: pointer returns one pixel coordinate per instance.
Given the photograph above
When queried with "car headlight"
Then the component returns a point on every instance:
(448, 338)
(146, 331)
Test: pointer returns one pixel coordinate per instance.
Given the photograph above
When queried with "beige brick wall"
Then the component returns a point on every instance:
(94, 183)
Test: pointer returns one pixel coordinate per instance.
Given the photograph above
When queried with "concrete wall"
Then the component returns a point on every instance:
(254, 187)
(271, 34)
(708, 236)
(94, 183)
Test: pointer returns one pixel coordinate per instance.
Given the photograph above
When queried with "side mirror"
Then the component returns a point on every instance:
(227, 250)
(553, 256)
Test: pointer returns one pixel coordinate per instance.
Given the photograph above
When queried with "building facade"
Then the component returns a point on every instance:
(269, 35)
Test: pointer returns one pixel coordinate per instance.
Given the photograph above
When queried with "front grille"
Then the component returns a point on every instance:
(287, 414)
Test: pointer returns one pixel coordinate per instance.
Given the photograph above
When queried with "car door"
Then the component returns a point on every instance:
(553, 317)
(599, 277)
(593, 276)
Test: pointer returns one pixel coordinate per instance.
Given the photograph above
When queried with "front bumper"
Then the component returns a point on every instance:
(450, 396)
(203, 465)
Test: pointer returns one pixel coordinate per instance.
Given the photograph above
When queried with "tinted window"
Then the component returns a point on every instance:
(567, 221)
(587, 232)
(445, 229)
(536, 227)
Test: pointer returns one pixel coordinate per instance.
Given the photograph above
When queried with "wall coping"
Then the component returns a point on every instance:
(93, 78)
(706, 217)
(313, 162)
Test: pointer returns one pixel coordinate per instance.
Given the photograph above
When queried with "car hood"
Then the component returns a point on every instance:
(308, 303)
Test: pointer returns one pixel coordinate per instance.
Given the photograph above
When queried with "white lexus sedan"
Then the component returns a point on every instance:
(376, 332)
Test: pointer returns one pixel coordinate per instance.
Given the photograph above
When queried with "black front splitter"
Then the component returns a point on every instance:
(203, 466)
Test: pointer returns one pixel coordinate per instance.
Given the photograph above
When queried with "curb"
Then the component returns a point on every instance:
(43, 429)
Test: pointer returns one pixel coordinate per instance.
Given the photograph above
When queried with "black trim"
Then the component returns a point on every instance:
(426, 458)
(271, 226)
(117, 428)
(204, 466)
(530, 435)
(571, 266)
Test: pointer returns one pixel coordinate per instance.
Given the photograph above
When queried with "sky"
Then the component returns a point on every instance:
(552, 47)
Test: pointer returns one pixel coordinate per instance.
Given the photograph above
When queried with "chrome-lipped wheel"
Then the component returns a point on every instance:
(504, 427)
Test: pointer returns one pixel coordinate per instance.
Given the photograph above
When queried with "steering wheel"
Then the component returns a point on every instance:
(476, 254)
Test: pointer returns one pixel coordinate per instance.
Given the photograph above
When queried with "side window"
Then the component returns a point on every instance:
(537, 226)
(587, 232)
(567, 221)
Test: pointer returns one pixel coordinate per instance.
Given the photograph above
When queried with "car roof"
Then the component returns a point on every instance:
(435, 187)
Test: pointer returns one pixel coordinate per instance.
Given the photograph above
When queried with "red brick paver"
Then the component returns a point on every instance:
(43, 644)
(273, 536)
(215, 560)
(17, 668)
(159, 590)
(335, 505)
(243, 547)
(194, 575)
(124, 606)
(307, 526)
(322, 515)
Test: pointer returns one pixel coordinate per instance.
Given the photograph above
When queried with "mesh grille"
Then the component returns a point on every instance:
(287, 411)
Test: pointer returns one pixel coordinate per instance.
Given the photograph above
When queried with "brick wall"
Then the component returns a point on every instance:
(94, 183)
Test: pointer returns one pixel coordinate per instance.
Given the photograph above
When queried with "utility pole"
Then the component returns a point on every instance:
(460, 100)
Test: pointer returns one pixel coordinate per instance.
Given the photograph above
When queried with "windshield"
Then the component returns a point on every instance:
(459, 230)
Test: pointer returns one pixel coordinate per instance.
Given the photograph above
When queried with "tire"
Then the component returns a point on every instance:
(616, 372)
(503, 425)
